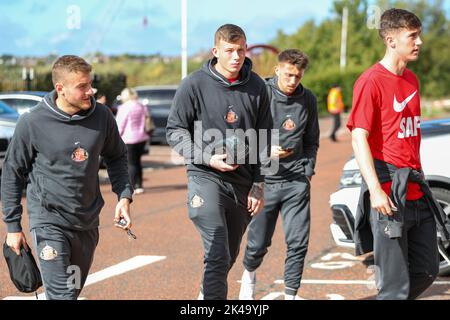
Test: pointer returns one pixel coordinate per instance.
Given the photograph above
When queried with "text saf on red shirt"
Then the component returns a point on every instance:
(388, 107)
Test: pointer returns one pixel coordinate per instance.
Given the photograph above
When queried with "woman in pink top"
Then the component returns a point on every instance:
(131, 122)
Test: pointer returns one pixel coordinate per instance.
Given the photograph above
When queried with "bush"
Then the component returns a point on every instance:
(110, 84)
(43, 81)
(321, 83)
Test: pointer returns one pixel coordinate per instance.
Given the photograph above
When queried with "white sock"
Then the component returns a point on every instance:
(289, 297)
(248, 276)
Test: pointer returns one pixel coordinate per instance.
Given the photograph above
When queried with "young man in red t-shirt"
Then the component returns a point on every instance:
(385, 125)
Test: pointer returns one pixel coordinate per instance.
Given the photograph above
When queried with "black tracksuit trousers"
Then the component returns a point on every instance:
(64, 258)
(218, 210)
(292, 199)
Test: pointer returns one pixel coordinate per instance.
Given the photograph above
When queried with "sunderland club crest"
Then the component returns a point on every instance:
(231, 116)
(79, 154)
(288, 124)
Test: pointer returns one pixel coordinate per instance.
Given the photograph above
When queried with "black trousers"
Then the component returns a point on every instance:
(336, 125)
(219, 212)
(407, 266)
(292, 199)
(135, 152)
(64, 258)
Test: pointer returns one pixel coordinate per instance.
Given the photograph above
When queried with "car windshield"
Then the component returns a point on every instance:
(5, 109)
(20, 103)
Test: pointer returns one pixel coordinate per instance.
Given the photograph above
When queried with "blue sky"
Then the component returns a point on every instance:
(38, 27)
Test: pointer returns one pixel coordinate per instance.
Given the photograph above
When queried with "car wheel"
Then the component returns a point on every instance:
(443, 198)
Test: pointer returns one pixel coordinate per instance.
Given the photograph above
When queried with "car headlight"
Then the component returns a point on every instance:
(350, 178)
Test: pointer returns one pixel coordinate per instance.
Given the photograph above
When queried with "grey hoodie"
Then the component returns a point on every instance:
(206, 96)
(296, 118)
(58, 155)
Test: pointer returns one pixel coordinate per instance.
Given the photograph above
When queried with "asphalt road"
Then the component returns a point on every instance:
(165, 261)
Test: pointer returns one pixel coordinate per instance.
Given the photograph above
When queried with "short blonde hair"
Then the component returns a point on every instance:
(128, 94)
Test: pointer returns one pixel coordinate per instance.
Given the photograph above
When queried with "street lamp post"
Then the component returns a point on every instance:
(344, 38)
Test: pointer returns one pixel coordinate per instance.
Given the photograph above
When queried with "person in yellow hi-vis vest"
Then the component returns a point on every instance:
(335, 106)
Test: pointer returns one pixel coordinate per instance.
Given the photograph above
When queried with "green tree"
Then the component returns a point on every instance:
(321, 42)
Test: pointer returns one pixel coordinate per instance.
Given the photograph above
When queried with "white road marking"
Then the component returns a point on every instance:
(343, 255)
(20, 298)
(361, 282)
(125, 266)
(333, 265)
(274, 295)
(334, 296)
(120, 268)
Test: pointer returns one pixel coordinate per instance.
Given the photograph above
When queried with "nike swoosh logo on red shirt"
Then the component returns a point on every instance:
(399, 106)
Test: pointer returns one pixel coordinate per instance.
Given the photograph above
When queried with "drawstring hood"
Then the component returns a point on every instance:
(298, 93)
(57, 156)
(244, 74)
(207, 103)
(50, 102)
(295, 117)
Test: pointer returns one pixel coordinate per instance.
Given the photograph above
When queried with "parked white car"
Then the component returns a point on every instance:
(22, 101)
(8, 120)
(435, 158)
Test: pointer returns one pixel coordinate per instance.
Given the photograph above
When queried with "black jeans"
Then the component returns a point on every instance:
(135, 152)
(407, 266)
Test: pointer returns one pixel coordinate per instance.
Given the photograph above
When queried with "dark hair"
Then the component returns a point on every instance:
(99, 95)
(229, 33)
(395, 19)
(295, 57)
(69, 63)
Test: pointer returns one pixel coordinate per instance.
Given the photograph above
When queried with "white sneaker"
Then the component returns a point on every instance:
(138, 190)
(289, 297)
(248, 285)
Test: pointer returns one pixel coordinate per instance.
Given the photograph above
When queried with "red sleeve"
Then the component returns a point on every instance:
(364, 105)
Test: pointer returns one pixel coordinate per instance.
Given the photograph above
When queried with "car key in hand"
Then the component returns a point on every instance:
(123, 223)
